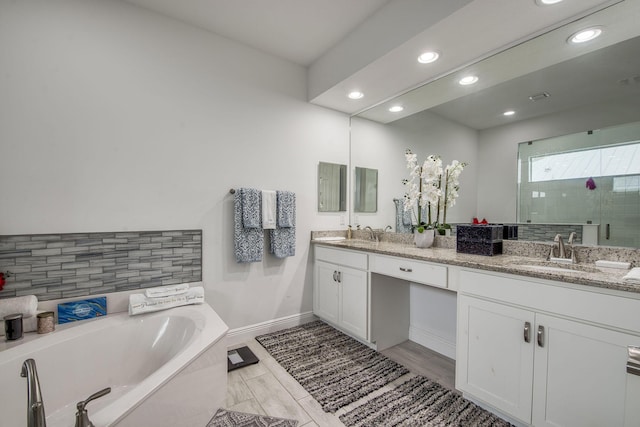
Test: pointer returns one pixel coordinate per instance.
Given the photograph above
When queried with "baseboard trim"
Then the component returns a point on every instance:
(432, 341)
(247, 333)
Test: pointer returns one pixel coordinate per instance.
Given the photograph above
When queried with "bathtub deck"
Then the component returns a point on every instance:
(267, 389)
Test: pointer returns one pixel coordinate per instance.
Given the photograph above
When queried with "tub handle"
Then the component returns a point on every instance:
(82, 417)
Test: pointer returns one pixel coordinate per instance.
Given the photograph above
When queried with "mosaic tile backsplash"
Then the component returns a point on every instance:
(53, 266)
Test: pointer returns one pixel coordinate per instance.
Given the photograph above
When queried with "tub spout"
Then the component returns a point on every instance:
(82, 417)
(35, 405)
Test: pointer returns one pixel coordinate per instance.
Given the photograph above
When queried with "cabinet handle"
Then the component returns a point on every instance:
(405, 269)
(540, 336)
(633, 362)
(335, 276)
(527, 332)
(339, 276)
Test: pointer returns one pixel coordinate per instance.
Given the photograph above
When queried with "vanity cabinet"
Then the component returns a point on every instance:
(544, 354)
(341, 290)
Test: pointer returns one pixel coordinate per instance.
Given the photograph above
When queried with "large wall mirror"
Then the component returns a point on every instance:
(553, 87)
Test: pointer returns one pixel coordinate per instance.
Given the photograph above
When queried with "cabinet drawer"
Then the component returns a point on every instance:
(411, 270)
(342, 257)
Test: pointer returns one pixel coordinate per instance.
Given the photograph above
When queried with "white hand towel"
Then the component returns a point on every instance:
(27, 305)
(269, 205)
(165, 291)
(140, 303)
(633, 276)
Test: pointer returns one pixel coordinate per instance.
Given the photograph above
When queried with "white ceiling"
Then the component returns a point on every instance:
(299, 31)
(372, 45)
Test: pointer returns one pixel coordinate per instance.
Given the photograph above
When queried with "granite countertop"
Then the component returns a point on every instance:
(538, 267)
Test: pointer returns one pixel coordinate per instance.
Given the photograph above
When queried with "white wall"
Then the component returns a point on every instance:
(115, 118)
(498, 151)
(382, 147)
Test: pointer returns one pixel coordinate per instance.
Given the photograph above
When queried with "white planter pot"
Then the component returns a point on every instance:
(424, 239)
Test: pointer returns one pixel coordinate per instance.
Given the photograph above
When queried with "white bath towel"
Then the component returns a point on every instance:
(29, 324)
(140, 303)
(27, 305)
(166, 291)
(633, 276)
(269, 204)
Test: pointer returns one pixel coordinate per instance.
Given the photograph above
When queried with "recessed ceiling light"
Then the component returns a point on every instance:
(509, 113)
(356, 94)
(396, 108)
(547, 2)
(428, 57)
(468, 80)
(585, 35)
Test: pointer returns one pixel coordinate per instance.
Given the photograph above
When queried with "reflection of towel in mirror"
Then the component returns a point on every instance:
(403, 218)
(633, 276)
(283, 237)
(248, 235)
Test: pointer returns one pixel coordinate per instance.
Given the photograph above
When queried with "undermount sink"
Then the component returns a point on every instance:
(328, 239)
(551, 267)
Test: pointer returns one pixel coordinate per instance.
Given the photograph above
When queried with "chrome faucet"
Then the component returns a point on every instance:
(373, 234)
(35, 405)
(572, 236)
(388, 227)
(561, 250)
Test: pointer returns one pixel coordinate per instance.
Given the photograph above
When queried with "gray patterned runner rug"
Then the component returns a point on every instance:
(420, 402)
(225, 418)
(334, 368)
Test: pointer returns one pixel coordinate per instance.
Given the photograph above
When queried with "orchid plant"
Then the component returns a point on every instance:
(432, 189)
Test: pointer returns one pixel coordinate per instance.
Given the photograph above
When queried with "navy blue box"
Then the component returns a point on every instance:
(479, 239)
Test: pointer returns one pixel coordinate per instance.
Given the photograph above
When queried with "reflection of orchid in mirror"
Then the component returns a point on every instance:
(591, 184)
(432, 188)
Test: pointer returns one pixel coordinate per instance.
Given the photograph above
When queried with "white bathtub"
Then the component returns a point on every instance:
(167, 368)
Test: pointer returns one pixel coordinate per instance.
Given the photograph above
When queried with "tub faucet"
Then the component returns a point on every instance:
(82, 417)
(35, 405)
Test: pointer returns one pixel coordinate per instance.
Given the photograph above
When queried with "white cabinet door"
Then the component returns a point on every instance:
(494, 360)
(580, 376)
(341, 297)
(354, 301)
(326, 292)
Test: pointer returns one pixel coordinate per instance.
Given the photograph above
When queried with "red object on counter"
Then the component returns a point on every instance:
(476, 222)
(2, 281)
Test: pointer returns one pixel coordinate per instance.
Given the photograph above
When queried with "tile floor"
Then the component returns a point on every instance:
(267, 389)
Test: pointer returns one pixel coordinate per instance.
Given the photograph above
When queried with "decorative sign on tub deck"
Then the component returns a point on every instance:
(82, 310)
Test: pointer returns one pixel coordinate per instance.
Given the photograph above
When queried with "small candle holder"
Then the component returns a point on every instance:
(46, 322)
(13, 326)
